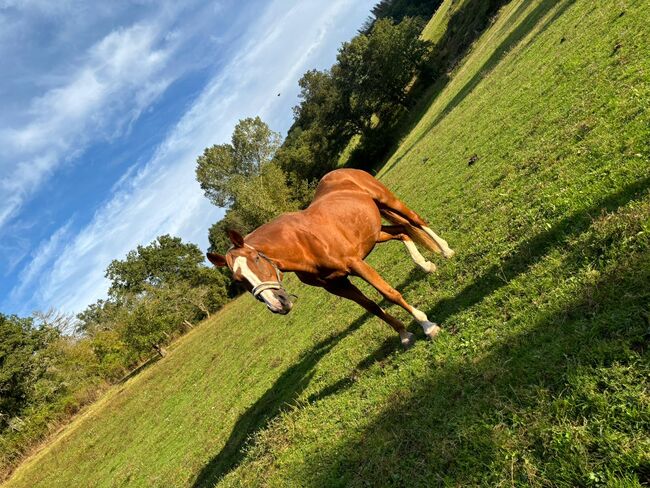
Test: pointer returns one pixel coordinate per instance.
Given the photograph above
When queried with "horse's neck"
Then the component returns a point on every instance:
(283, 258)
(281, 248)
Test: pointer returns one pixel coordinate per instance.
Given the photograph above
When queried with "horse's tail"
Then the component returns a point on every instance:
(414, 232)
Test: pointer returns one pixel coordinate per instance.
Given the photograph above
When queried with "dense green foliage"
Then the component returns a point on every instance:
(20, 341)
(44, 375)
(363, 94)
(48, 373)
(397, 10)
(155, 292)
(532, 160)
(221, 168)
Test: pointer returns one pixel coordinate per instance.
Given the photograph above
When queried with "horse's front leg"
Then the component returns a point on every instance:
(363, 270)
(343, 288)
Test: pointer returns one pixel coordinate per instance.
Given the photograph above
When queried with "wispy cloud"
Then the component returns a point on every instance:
(119, 78)
(162, 196)
(40, 258)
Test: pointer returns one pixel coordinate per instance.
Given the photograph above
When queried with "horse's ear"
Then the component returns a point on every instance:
(216, 259)
(236, 238)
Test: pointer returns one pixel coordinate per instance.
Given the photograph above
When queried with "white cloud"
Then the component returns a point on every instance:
(163, 196)
(44, 254)
(121, 75)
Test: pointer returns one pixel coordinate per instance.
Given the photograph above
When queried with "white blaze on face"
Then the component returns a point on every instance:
(240, 264)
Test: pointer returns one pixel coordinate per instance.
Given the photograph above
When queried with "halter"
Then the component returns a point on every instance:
(266, 285)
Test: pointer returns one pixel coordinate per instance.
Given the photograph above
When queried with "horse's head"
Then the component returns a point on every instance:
(256, 272)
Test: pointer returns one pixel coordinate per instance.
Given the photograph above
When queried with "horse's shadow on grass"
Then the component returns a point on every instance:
(532, 250)
(456, 427)
(283, 393)
(296, 378)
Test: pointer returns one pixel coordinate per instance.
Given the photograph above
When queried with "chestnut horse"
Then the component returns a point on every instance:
(328, 241)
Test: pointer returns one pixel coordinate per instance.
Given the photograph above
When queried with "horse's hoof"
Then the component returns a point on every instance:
(407, 340)
(431, 330)
(429, 267)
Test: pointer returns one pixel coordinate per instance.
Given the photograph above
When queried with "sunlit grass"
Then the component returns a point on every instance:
(541, 375)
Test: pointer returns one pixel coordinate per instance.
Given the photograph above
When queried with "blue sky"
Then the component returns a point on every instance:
(105, 107)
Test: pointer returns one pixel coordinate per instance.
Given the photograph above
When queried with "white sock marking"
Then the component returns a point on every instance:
(429, 328)
(419, 315)
(446, 250)
(418, 258)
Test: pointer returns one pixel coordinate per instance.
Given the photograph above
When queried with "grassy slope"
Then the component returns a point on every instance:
(541, 377)
(435, 28)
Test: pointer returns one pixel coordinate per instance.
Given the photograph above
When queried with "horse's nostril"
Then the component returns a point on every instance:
(282, 296)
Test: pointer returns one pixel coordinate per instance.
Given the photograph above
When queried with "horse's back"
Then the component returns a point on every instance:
(349, 180)
(342, 223)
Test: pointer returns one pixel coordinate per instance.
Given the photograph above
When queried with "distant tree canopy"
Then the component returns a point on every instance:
(31, 366)
(165, 259)
(155, 291)
(222, 168)
(397, 10)
(361, 94)
(18, 342)
(373, 71)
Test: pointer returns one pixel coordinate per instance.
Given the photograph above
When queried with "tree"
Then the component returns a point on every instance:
(263, 196)
(374, 70)
(364, 93)
(397, 10)
(165, 258)
(320, 131)
(154, 291)
(253, 144)
(20, 342)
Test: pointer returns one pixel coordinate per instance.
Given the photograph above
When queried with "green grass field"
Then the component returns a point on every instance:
(540, 377)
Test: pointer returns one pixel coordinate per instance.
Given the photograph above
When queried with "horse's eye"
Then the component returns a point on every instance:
(257, 259)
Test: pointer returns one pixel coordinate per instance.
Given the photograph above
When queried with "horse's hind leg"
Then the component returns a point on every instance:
(386, 200)
(363, 270)
(398, 232)
(344, 288)
(392, 205)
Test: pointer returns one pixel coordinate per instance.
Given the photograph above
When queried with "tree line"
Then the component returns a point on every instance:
(350, 114)
(52, 364)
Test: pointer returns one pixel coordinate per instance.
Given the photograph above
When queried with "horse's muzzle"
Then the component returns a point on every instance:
(283, 297)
